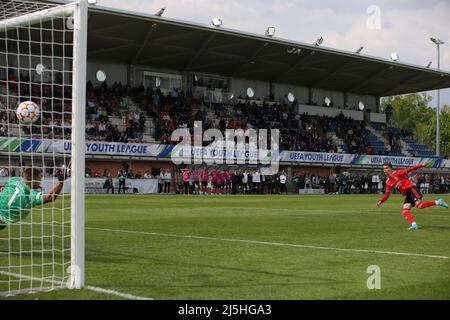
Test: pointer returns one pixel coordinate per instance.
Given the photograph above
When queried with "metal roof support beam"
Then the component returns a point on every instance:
(303, 59)
(145, 43)
(159, 58)
(332, 73)
(175, 36)
(175, 48)
(227, 55)
(306, 68)
(250, 58)
(210, 65)
(225, 46)
(105, 50)
(358, 85)
(255, 71)
(200, 51)
(110, 38)
(114, 27)
(403, 85)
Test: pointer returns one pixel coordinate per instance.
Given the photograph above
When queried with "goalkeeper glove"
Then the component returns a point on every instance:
(62, 174)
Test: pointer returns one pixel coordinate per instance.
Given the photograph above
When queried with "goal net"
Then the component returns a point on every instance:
(42, 70)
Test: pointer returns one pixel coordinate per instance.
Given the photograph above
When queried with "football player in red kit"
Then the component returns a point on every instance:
(399, 180)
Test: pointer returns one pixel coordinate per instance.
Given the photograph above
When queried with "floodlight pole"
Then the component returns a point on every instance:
(438, 109)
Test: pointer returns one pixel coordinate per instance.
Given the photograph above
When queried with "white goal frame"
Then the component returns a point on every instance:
(79, 10)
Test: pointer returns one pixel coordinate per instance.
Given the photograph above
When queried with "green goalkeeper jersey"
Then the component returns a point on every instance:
(16, 200)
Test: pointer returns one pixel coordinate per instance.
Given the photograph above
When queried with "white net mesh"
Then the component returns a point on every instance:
(36, 59)
(14, 8)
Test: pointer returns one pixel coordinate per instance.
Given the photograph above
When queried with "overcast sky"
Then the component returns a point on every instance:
(405, 26)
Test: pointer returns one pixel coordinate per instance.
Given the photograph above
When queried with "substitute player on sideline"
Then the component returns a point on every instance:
(21, 194)
(399, 180)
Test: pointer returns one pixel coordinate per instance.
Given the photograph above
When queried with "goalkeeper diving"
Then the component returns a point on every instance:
(20, 195)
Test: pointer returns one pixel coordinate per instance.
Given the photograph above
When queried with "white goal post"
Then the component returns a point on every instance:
(34, 252)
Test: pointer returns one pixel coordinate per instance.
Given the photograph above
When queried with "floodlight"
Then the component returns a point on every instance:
(437, 41)
(216, 22)
(318, 41)
(160, 12)
(270, 32)
(394, 56)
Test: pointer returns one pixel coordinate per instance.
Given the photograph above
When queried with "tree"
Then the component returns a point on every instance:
(412, 112)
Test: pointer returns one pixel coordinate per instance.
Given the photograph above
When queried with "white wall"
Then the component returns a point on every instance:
(115, 72)
(378, 117)
(319, 95)
(28, 66)
(239, 88)
(370, 102)
(300, 93)
(137, 73)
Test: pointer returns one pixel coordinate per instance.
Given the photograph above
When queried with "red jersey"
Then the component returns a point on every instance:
(186, 175)
(399, 180)
(223, 177)
(204, 175)
(213, 176)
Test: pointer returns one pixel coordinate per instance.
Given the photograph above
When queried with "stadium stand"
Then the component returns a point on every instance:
(122, 113)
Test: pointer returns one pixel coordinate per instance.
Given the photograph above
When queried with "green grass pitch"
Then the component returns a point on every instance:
(261, 247)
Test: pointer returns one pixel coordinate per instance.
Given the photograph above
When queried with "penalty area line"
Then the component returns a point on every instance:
(277, 244)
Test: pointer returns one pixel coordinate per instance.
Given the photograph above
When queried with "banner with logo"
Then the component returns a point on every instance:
(315, 157)
(95, 185)
(160, 151)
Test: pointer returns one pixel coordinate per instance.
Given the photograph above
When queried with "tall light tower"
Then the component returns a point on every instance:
(438, 109)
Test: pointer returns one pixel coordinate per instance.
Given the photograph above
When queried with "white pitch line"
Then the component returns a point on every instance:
(155, 234)
(321, 212)
(60, 286)
(116, 293)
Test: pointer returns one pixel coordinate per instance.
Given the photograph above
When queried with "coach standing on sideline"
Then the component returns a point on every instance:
(283, 180)
(167, 179)
(161, 181)
(122, 181)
